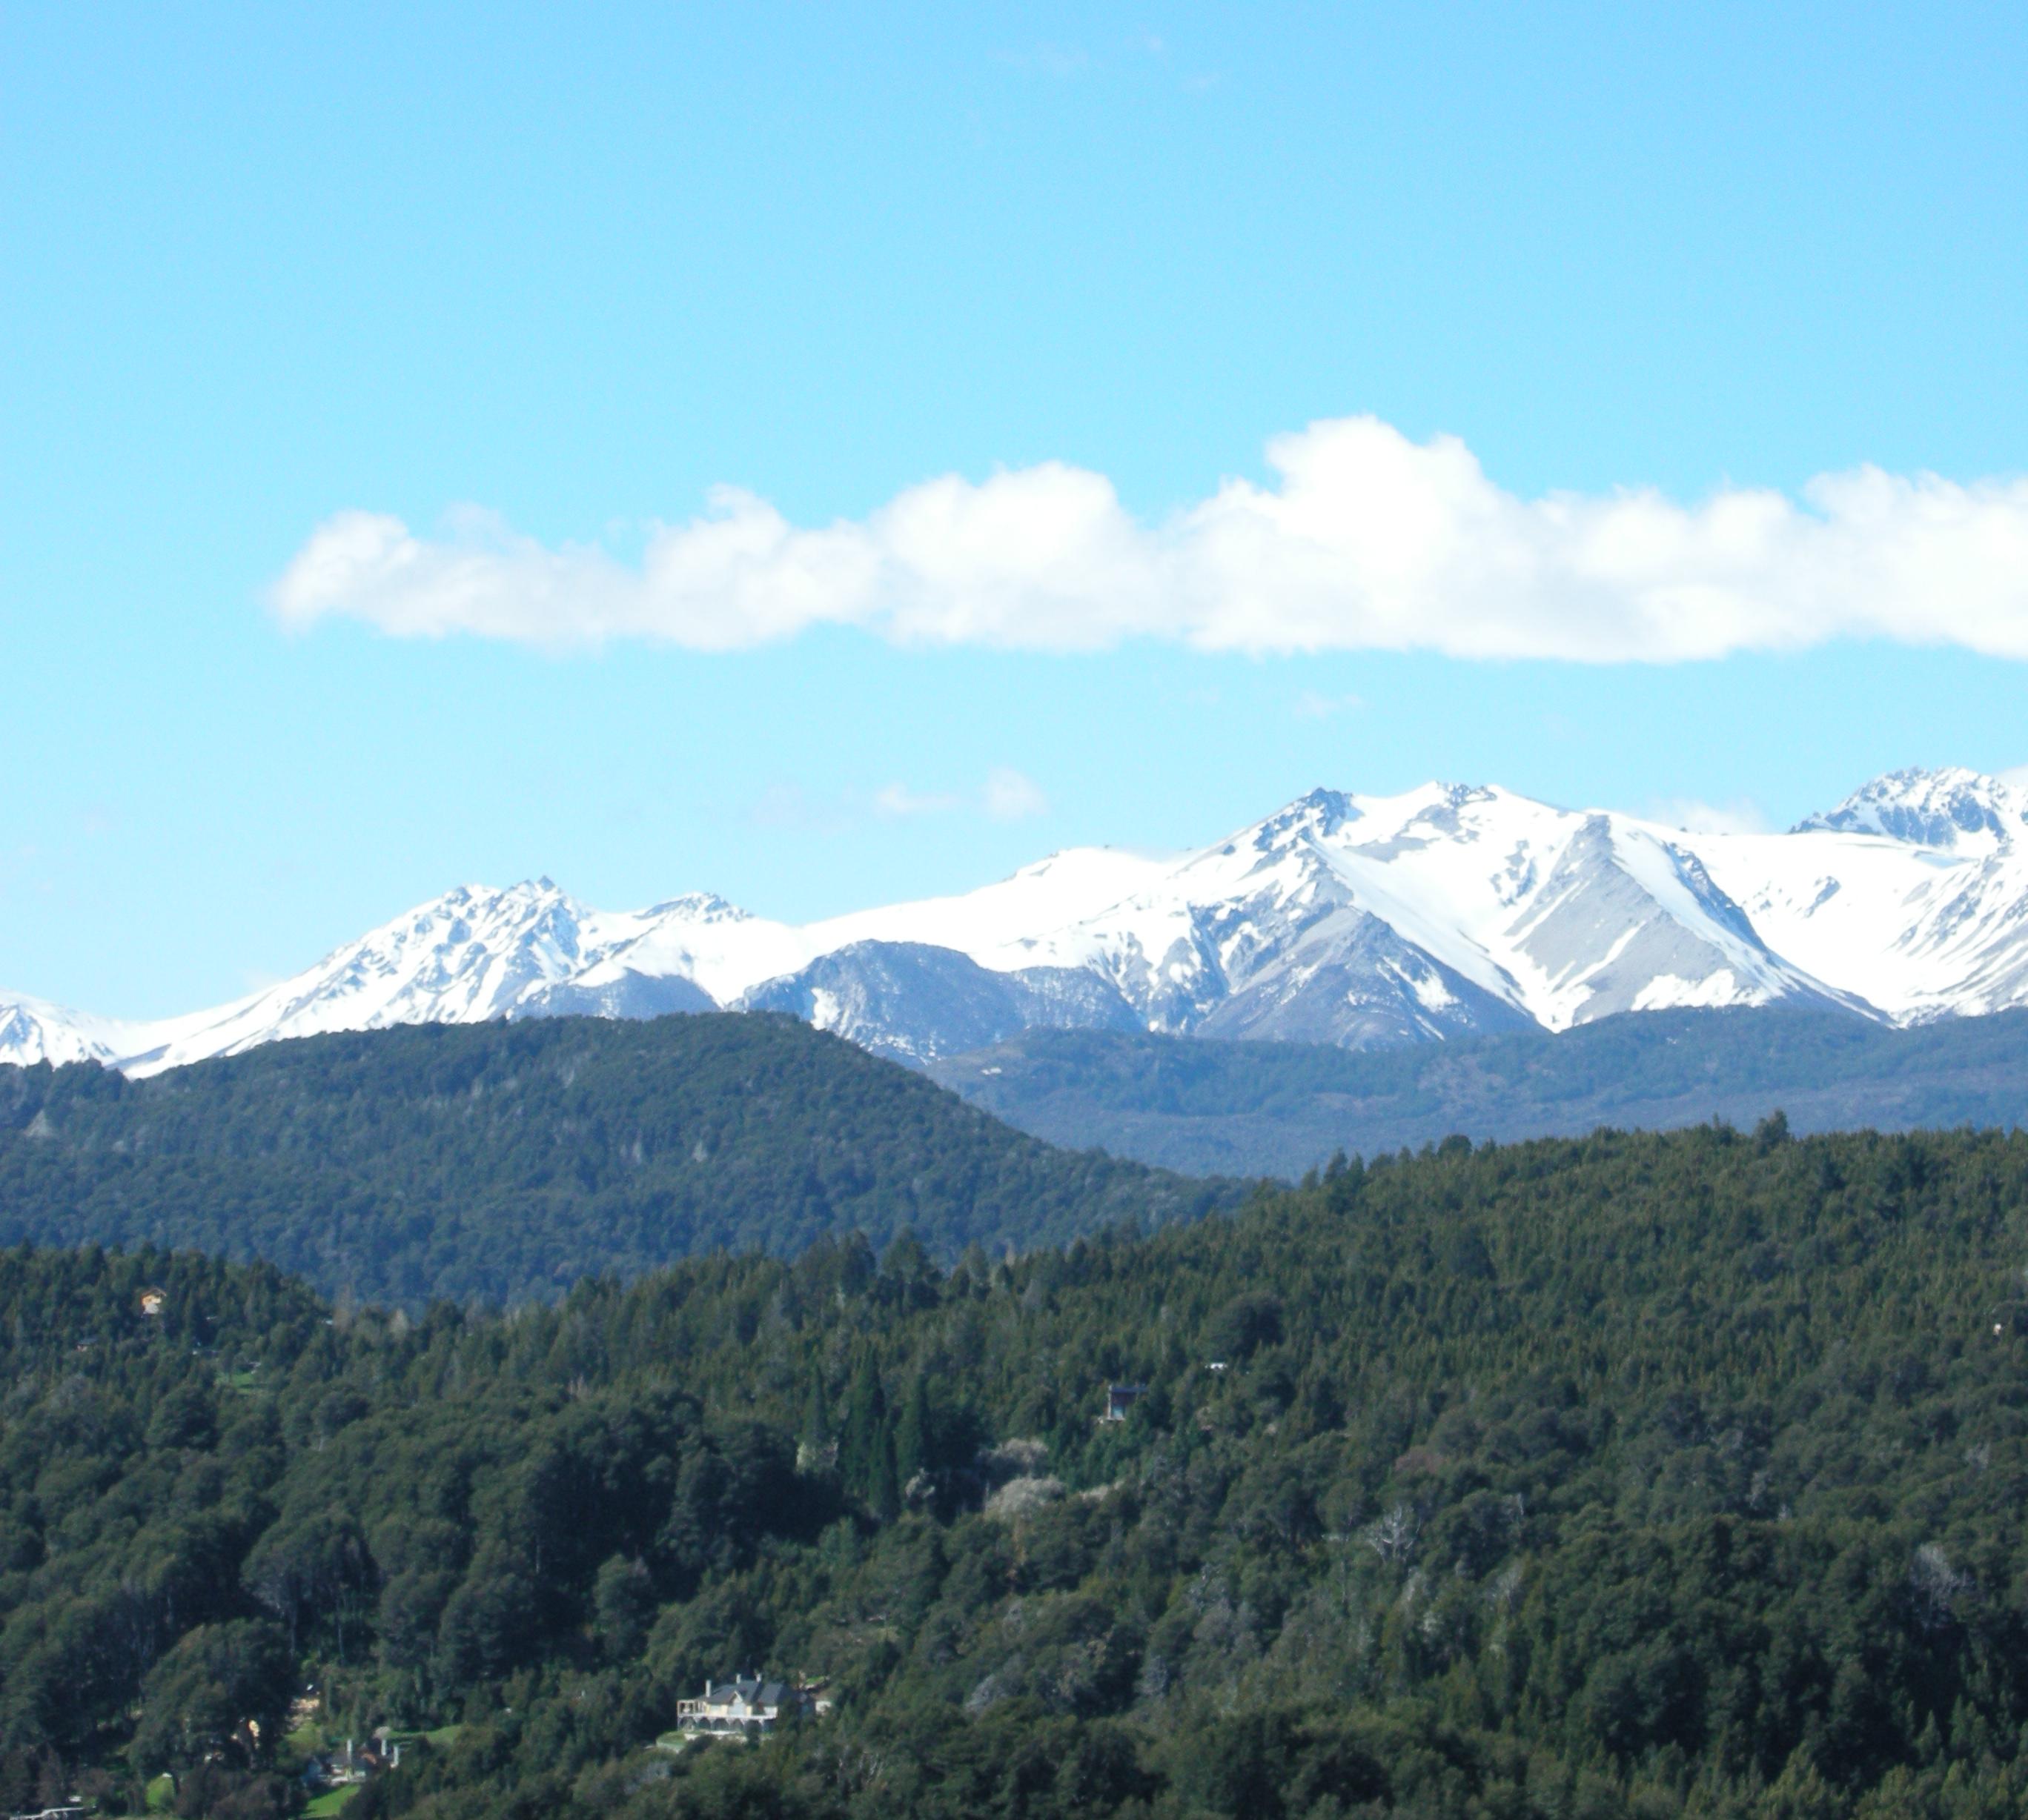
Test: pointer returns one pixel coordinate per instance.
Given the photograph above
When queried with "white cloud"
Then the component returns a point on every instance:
(1741, 816)
(791, 808)
(897, 801)
(1006, 795)
(1365, 541)
(1311, 705)
(1009, 796)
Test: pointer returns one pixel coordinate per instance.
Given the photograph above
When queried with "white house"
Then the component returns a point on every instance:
(745, 1705)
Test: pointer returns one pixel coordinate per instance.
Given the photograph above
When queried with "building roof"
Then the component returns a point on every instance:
(752, 1690)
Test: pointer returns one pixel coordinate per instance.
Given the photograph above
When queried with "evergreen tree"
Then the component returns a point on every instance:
(865, 1421)
(816, 1412)
(912, 1431)
(884, 1496)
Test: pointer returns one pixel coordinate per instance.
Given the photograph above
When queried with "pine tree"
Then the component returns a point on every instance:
(885, 1493)
(865, 1419)
(816, 1412)
(912, 1432)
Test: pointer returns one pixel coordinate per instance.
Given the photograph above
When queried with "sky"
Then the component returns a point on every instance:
(828, 455)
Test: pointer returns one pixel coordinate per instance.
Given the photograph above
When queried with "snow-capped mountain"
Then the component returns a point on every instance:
(33, 1030)
(1343, 918)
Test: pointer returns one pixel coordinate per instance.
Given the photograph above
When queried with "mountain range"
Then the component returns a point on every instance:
(1360, 921)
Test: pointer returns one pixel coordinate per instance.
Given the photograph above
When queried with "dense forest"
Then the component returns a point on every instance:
(1652, 1475)
(1254, 1109)
(504, 1161)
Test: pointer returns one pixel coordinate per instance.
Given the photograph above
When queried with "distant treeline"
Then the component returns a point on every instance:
(506, 1160)
(1656, 1475)
(1252, 1109)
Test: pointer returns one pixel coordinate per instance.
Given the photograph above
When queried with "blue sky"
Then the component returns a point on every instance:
(578, 268)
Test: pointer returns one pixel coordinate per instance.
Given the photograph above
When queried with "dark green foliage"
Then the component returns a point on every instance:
(213, 1696)
(624, 1606)
(1249, 1320)
(1252, 1109)
(504, 1161)
(1640, 1475)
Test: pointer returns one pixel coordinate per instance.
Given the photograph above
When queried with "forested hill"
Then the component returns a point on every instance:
(1251, 1109)
(505, 1160)
(1647, 1475)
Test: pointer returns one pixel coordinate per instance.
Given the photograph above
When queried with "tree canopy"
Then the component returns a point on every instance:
(1655, 1475)
(1255, 1109)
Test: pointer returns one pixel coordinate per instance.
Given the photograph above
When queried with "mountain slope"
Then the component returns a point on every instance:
(1281, 1108)
(507, 1159)
(1447, 910)
(914, 1002)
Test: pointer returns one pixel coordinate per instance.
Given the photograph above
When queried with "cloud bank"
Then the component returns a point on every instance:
(1365, 540)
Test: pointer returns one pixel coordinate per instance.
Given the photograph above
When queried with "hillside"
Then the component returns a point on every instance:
(1673, 1475)
(1279, 1108)
(504, 1160)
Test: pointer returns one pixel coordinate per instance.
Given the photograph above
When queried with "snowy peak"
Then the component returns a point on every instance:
(700, 907)
(1953, 809)
(31, 1031)
(1448, 908)
(480, 949)
(473, 954)
(1316, 816)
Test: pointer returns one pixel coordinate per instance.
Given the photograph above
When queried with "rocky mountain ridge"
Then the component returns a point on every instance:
(1355, 920)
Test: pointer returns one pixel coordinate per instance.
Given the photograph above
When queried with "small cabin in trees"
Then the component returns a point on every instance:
(1119, 1398)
